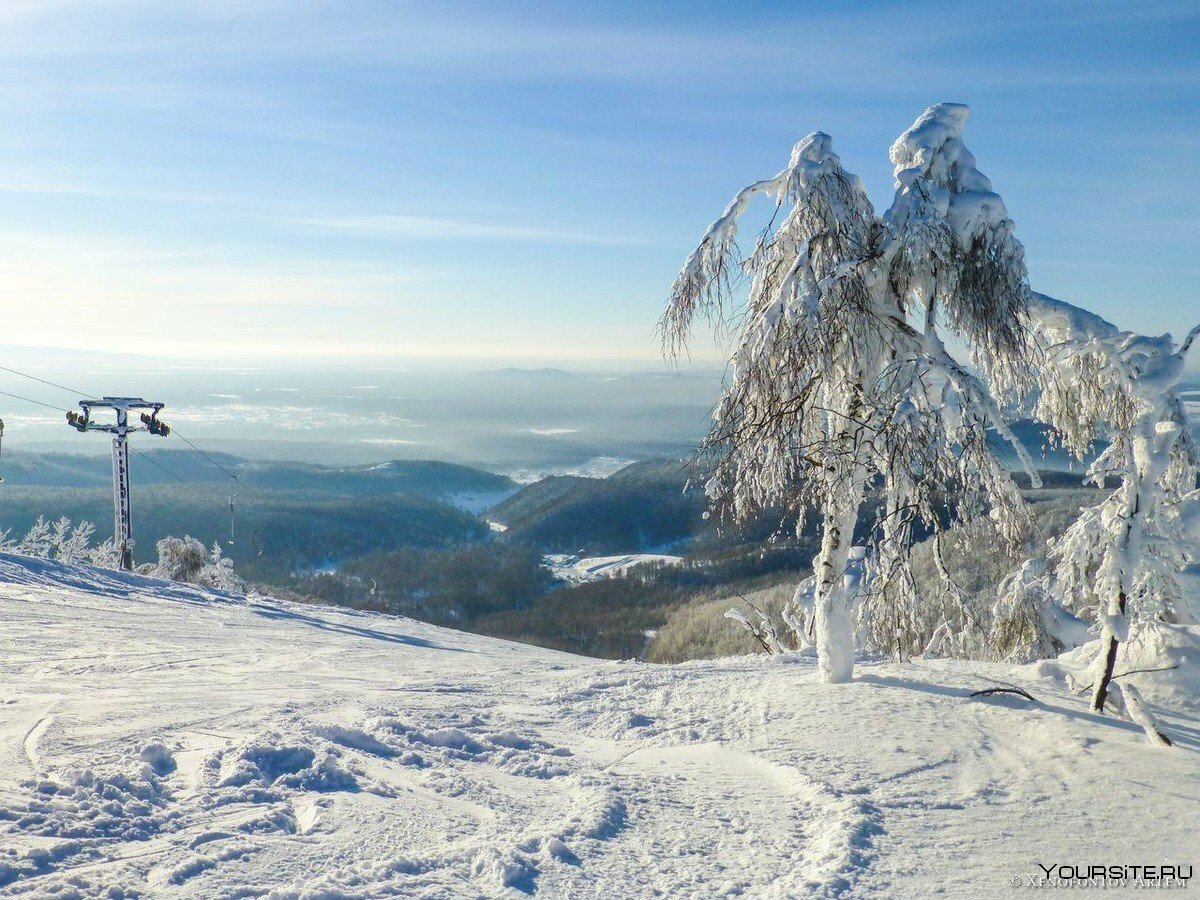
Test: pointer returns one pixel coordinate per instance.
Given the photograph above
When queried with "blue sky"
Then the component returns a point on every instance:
(523, 181)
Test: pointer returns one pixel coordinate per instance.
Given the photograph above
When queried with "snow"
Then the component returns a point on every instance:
(1060, 321)
(479, 502)
(932, 151)
(161, 740)
(594, 467)
(577, 570)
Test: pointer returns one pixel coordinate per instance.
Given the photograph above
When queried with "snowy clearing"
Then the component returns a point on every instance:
(571, 568)
(164, 741)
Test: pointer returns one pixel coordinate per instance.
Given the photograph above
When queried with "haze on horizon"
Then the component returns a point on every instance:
(369, 180)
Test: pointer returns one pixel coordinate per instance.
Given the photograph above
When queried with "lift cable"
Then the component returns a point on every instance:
(175, 431)
(150, 459)
(191, 487)
(54, 384)
(36, 402)
(238, 481)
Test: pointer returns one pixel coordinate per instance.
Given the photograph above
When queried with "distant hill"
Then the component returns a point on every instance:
(426, 478)
(643, 505)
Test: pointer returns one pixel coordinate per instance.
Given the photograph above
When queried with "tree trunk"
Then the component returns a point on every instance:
(832, 608)
(1143, 471)
(1100, 694)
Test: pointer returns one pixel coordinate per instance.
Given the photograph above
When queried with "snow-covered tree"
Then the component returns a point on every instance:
(841, 391)
(186, 559)
(37, 541)
(218, 572)
(179, 559)
(62, 540)
(106, 555)
(756, 621)
(71, 542)
(1118, 563)
(1028, 622)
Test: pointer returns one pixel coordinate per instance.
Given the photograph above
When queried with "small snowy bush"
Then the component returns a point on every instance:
(179, 559)
(1027, 624)
(218, 572)
(186, 559)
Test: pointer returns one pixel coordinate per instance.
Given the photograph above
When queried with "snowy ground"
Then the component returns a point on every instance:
(164, 742)
(479, 503)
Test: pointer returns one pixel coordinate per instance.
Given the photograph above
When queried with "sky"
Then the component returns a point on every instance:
(356, 179)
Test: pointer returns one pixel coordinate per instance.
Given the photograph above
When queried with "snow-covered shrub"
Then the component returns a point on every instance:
(758, 623)
(71, 542)
(186, 559)
(179, 559)
(106, 555)
(36, 541)
(842, 390)
(218, 572)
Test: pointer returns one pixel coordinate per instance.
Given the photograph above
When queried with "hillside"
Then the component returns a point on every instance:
(428, 478)
(161, 741)
(641, 506)
(289, 516)
(652, 505)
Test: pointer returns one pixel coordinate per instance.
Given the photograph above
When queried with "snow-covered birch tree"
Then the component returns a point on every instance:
(1118, 563)
(841, 394)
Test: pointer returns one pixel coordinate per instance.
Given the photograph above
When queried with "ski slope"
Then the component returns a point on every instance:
(161, 741)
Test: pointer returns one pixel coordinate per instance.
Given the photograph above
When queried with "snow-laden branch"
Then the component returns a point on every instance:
(952, 251)
(704, 283)
(973, 392)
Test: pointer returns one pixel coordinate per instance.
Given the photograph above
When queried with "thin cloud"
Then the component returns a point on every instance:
(432, 228)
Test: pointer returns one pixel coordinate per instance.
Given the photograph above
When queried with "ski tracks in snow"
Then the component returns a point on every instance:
(272, 752)
(751, 826)
(32, 737)
(707, 787)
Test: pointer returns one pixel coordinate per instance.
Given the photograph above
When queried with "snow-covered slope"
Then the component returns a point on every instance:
(571, 568)
(160, 741)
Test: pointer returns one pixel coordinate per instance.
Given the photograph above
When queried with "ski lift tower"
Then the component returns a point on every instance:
(120, 430)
